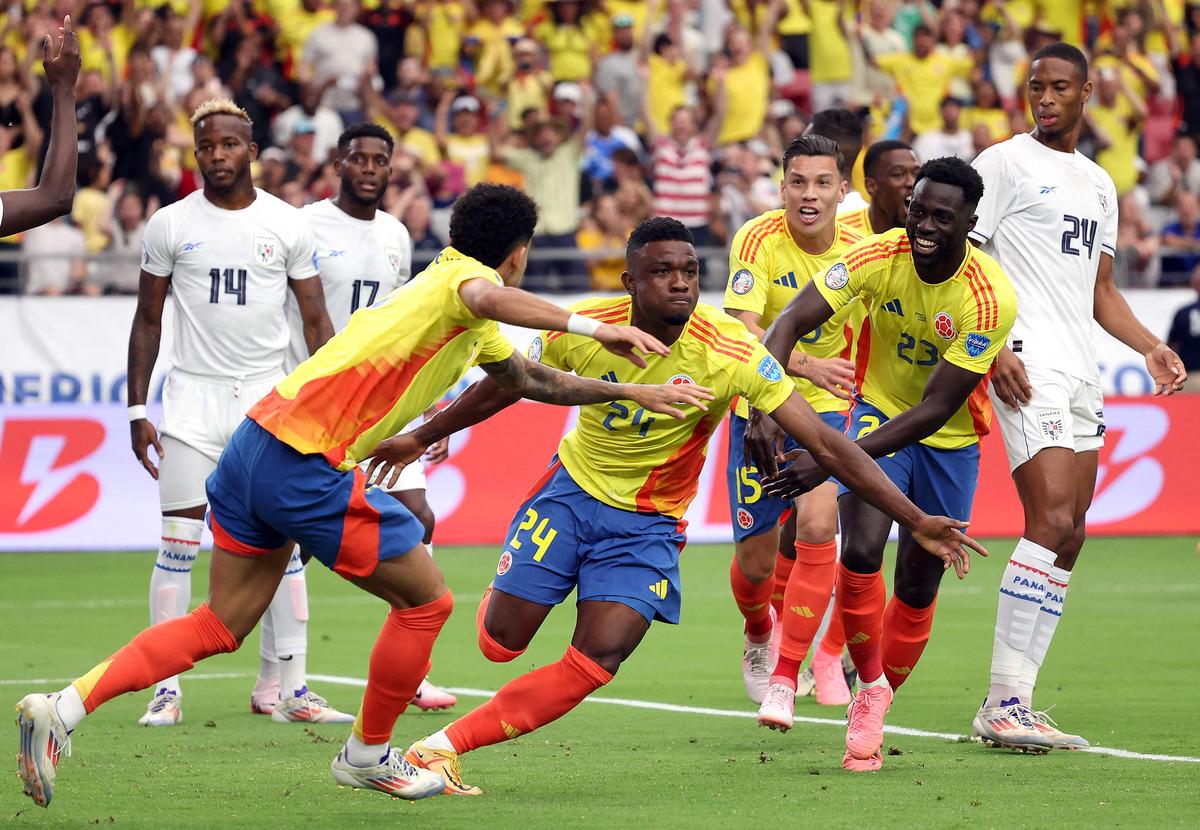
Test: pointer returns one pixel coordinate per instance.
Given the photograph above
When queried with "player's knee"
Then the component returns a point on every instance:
(1053, 529)
(499, 647)
(756, 557)
(860, 558)
(817, 532)
(608, 658)
(916, 592)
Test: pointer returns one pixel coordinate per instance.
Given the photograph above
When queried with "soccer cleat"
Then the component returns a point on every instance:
(307, 707)
(757, 664)
(829, 679)
(1011, 726)
(1049, 729)
(43, 737)
(265, 697)
(444, 762)
(864, 729)
(872, 764)
(806, 684)
(393, 775)
(430, 698)
(778, 707)
(166, 709)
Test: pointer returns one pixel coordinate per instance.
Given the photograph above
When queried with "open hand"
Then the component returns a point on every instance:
(833, 374)
(796, 479)
(667, 398)
(390, 457)
(1167, 370)
(61, 60)
(764, 442)
(944, 538)
(143, 436)
(1010, 381)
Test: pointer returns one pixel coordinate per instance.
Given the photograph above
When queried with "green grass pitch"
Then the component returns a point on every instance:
(1123, 672)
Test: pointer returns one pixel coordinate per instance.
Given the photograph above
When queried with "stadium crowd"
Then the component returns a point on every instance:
(605, 111)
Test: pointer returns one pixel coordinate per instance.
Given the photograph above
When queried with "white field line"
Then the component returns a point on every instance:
(358, 682)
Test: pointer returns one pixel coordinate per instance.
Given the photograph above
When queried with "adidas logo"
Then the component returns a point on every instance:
(788, 280)
(858, 639)
(659, 589)
(509, 730)
(611, 377)
(900, 669)
(894, 307)
(802, 610)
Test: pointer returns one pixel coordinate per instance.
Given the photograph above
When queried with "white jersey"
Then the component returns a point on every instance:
(229, 273)
(361, 262)
(1046, 217)
(852, 201)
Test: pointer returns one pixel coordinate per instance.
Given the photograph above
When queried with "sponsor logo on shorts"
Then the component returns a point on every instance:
(943, 324)
(837, 277)
(977, 344)
(504, 564)
(1051, 421)
(770, 369)
(742, 283)
(680, 380)
(744, 519)
(535, 349)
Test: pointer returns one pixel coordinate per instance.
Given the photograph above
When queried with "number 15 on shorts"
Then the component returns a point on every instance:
(541, 534)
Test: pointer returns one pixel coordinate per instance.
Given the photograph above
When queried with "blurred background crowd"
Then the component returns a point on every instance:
(606, 111)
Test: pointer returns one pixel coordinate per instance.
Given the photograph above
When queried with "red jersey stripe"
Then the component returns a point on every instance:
(673, 483)
(724, 339)
(754, 239)
(744, 358)
(758, 228)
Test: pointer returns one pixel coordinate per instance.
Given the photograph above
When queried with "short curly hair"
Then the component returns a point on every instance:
(364, 129)
(954, 171)
(489, 221)
(877, 151)
(657, 229)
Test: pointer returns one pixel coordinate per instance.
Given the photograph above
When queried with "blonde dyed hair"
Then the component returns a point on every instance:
(219, 106)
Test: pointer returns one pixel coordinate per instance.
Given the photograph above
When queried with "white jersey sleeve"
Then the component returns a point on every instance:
(999, 193)
(158, 249)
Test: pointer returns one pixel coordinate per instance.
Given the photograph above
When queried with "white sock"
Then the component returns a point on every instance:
(879, 681)
(1043, 631)
(268, 667)
(429, 549)
(439, 740)
(1022, 589)
(364, 755)
(171, 580)
(288, 623)
(70, 707)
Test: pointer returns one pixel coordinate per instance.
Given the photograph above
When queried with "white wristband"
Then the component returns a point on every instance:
(586, 326)
(137, 413)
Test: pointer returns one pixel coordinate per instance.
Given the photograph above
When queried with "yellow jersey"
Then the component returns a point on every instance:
(857, 220)
(911, 325)
(646, 463)
(747, 91)
(392, 362)
(767, 269)
(924, 82)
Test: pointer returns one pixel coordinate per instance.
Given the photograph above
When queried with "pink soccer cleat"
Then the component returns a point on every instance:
(430, 698)
(864, 731)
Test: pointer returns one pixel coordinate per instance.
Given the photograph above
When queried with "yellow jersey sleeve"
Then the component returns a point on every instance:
(762, 381)
(494, 347)
(456, 281)
(987, 316)
(750, 265)
(850, 277)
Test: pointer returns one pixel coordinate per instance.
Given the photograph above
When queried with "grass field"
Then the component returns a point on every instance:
(1123, 672)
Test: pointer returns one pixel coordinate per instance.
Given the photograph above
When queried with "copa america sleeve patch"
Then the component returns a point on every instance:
(535, 349)
(742, 283)
(837, 277)
(977, 344)
(770, 369)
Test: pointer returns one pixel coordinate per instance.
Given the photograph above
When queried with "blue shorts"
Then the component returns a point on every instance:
(751, 512)
(562, 538)
(940, 482)
(264, 493)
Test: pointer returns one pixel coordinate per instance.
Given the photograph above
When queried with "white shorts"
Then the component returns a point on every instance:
(1064, 411)
(199, 416)
(411, 477)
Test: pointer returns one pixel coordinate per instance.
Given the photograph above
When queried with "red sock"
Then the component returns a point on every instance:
(162, 650)
(806, 597)
(834, 638)
(863, 597)
(754, 601)
(783, 572)
(399, 662)
(905, 633)
(528, 702)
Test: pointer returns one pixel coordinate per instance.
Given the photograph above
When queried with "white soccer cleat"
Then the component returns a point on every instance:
(778, 707)
(1011, 726)
(806, 683)
(430, 698)
(43, 737)
(1049, 729)
(166, 709)
(307, 707)
(393, 775)
(757, 665)
(265, 697)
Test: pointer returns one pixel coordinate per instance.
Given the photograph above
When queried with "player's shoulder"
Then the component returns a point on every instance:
(320, 208)
(1099, 176)
(452, 265)
(722, 336)
(613, 310)
(877, 248)
(391, 226)
(752, 236)
(988, 291)
(849, 229)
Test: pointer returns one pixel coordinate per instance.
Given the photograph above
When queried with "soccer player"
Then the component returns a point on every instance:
(772, 257)
(889, 170)
(1049, 217)
(846, 128)
(290, 473)
(21, 210)
(606, 519)
(938, 311)
(229, 254)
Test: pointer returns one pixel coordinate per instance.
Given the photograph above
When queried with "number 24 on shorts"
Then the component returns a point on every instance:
(541, 534)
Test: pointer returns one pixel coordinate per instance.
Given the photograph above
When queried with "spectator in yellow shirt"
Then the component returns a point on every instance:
(530, 85)
(570, 49)
(460, 135)
(444, 23)
(1116, 118)
(607, 229)
(986, 111)
(497, 31)
(923, 77)
(831, 66)
(747, 79)
(399, 115)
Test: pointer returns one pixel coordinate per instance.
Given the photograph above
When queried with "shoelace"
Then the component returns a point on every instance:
(1043, 717)
(159, 704)
(1022, 714)
(759, 655)
(778, 696)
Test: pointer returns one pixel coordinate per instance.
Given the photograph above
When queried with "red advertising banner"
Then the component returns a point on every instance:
(68, 480)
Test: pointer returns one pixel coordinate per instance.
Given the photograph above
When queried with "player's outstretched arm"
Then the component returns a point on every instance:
(310, 299)
(941, 536)
(520, 308)
(1116, 317)
(144, 340)
(25, 209)
(946, 391)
